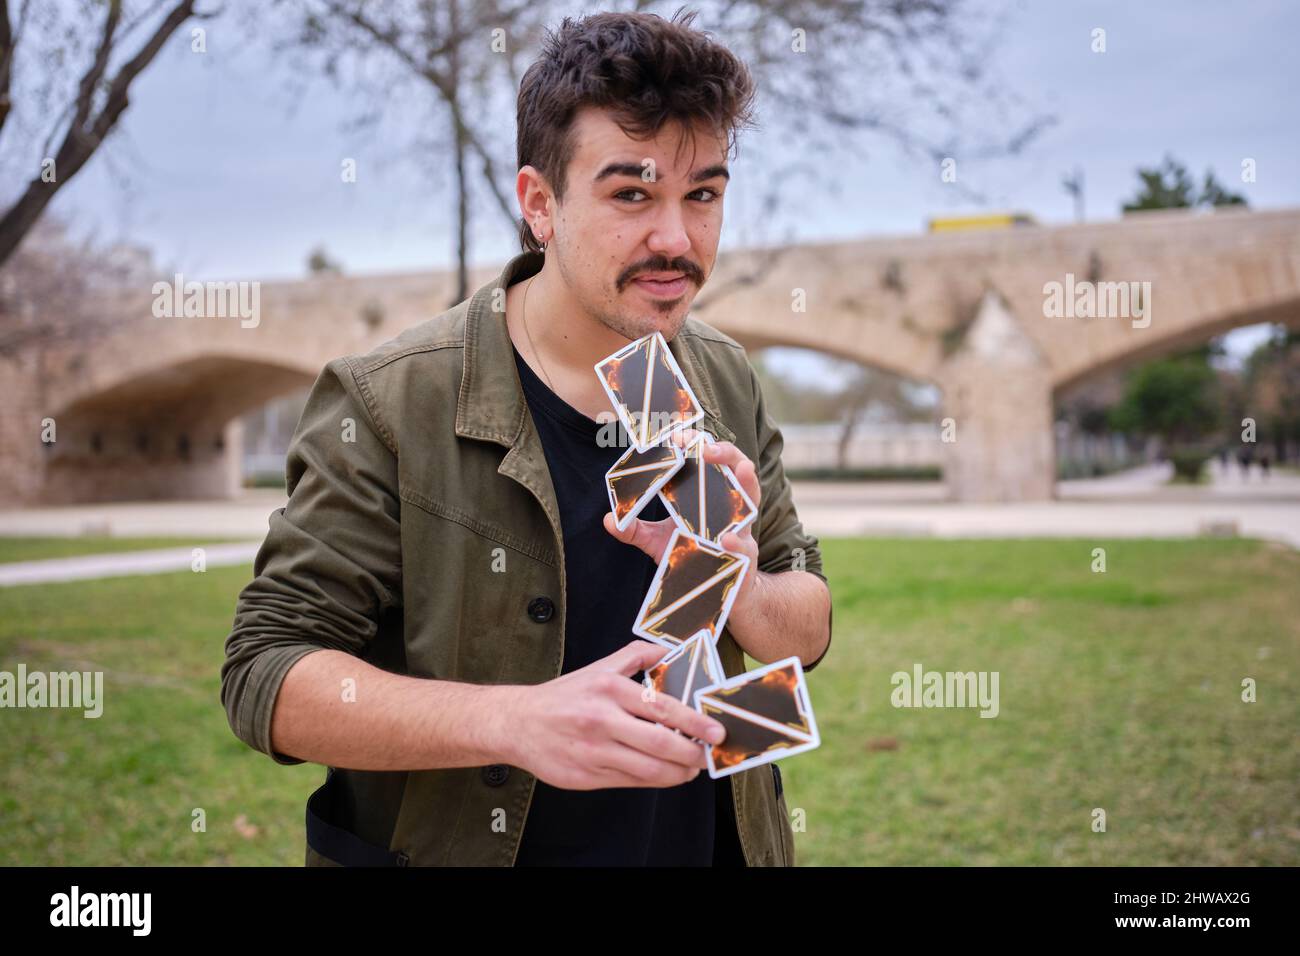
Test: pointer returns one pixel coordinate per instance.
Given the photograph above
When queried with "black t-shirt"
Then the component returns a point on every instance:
(606, 582)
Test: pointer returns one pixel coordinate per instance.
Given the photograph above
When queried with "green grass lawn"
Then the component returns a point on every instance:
(39, 549)
(1119, 690)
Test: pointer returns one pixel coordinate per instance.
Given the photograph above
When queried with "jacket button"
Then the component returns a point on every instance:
(496, 774)
(540, 609)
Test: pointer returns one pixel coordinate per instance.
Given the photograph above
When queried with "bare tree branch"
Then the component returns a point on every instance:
(910, 71)
(7, 46)
(87, 129)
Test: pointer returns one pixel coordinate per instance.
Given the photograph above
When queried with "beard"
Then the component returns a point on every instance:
(637, 322)
(616, 312)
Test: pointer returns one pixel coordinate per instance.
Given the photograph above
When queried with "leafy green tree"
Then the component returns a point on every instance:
(1176, 399)
(1179, 399)
(1272, 391)
(1170, 186)
(320, 262)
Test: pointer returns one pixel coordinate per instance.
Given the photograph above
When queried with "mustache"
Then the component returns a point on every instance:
(661, 264)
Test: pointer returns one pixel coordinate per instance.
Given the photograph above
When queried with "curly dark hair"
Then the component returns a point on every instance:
(647, 70)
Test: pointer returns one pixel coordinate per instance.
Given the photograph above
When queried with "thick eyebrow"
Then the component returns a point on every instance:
(710, 172)
(635, 169)
(619, 169)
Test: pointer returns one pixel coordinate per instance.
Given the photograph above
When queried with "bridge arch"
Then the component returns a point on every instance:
(962, 311)
(166, 431)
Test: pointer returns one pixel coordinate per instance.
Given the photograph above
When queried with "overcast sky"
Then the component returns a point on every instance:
(232, 174)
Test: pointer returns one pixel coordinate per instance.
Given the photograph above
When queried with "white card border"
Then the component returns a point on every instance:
(639, 631)
(710, 652)
(735, 526)
(619, 408)
(653, 490)
(772, 757)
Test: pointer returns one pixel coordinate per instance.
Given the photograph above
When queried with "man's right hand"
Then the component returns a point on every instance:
(595, 727)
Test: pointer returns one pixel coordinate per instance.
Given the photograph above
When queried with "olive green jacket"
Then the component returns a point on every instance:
(414, 473)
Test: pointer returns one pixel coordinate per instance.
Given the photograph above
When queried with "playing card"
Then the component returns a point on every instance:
(686, 668)
(636, 477)
(766, 714)
(705, 498)
(693, 590)
(648, 390)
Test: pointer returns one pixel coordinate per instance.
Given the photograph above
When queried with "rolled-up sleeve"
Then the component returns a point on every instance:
(331, 562)
(783, 544)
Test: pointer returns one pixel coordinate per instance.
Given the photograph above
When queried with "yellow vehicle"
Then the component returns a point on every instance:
(992, 220)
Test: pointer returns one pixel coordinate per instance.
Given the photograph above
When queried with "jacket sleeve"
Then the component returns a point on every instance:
(783, 545)
(331, 561)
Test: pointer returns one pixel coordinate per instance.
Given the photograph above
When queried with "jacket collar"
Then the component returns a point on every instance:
(491, 403)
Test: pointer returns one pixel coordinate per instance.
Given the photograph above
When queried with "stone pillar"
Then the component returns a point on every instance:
(232, 470)
(997, 428)
(22, 454)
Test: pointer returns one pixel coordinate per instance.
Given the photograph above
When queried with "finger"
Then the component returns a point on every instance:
(643, 770)
(671, 712)
(747, 475)
(657, 741)
(684, 436)
(649, 536)
(742, 541)
(611, 525)
(725, 453)
(633, 657)
(633, 534)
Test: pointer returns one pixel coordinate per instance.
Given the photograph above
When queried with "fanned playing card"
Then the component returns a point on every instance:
(687, 668)
(636, 477)
(706, 498)
(693, 590)
(766, 714)
(648, 390)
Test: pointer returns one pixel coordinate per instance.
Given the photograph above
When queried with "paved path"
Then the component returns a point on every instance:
(1051, 519)
(125, 562)
(244, 517)
(1134, 504)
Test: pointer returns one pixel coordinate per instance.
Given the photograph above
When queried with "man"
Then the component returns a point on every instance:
(444, 607)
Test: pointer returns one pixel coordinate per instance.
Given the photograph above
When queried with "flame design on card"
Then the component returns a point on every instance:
(648, 390)
(693, 590)
(765, 712)
(637, 476)
(706, 499)
(688, 667)
(764, 716)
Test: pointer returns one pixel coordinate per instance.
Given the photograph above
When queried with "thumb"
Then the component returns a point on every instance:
(636, 656)
(629, 534)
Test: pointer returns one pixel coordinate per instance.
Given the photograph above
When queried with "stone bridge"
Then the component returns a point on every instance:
(999, 320)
